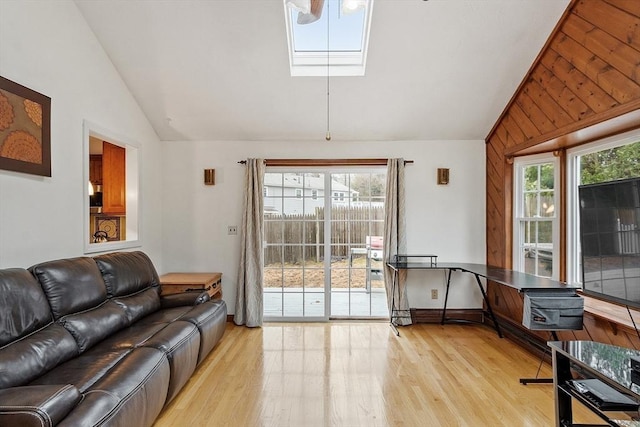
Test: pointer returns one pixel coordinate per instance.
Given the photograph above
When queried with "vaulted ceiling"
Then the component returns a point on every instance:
(219, 70)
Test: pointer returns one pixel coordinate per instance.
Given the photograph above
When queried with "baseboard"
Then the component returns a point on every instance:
(229, 317)
(434, 315)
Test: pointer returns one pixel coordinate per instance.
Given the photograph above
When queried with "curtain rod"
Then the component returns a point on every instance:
(326, 162)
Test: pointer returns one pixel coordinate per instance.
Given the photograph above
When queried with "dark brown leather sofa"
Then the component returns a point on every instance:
(91, 342)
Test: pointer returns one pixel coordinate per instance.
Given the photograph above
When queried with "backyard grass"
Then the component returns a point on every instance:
(311, 273)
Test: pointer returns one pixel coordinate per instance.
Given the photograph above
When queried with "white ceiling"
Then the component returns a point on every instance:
(219, 70)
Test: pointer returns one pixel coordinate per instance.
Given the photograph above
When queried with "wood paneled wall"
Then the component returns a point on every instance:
(584, 85)
(611, 325)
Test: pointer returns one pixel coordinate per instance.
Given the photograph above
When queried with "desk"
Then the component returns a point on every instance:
(588, 359)
(521, 281)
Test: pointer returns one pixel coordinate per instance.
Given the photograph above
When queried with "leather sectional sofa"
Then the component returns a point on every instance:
(92, 342)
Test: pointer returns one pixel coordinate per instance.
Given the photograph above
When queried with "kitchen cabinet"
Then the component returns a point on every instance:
(113, 179)
(95, 169)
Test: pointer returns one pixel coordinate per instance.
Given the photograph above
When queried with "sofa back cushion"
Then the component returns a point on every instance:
(92, 326)
(30, 344)
(71, 285)
(23, 305)
(127, 273)
(78, 298)
(30, 357)
(132, 282)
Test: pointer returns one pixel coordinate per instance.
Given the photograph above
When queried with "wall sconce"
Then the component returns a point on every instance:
(209, 177)
(443, 176)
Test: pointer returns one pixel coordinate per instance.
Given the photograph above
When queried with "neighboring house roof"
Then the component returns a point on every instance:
(311, 182)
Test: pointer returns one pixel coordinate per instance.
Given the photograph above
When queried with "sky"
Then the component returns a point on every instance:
(345, 30)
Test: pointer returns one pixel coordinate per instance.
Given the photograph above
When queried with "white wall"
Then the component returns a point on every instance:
(446, 220)
(48, 47)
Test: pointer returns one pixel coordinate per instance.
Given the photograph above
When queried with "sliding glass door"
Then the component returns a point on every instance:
(323, 245)
(356, 245)
(294, 273)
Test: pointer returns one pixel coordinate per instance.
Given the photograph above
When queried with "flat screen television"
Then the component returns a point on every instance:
(610, 240)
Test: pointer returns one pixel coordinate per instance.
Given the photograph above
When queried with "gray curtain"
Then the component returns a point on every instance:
(395, 241)
(249, 293)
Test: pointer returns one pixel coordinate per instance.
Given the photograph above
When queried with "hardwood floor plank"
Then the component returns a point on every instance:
(361, 374)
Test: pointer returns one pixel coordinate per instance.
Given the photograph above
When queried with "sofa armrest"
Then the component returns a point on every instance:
(38, 405)
(184, 298)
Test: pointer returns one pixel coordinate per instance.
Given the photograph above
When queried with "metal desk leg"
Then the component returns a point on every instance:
(393, 303)
(561, 373)
(446, 297)
(537, 380)
(486, 300)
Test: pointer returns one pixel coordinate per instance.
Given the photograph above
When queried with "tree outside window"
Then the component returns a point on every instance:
(610, 164)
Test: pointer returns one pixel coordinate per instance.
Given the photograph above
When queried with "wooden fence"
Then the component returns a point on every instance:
(296, 238)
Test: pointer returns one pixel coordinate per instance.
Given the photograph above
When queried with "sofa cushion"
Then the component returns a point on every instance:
(37, 406)
(210, 319)
(130, 338)
(92, 326)
(23, 305)
(92, 408)
(140, 381)
(131, 393)
(71, 285)
(34, 355)
(139, 305)
(166, 315)
(180, 341)
(127, 273)
(85, 370)
(30, 344)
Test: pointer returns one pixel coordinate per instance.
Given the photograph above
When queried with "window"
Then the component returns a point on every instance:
(265, 191)
(349, 23)
(314, 194)
(298, 193)
(535, 229)
(338, 196)
(111, 191)
(610, 159)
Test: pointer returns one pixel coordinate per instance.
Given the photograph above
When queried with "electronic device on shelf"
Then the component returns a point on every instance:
(603, 396)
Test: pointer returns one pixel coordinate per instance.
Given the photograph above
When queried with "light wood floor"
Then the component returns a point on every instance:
(361, 374)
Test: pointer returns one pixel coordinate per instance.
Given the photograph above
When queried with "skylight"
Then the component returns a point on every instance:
(349, 23)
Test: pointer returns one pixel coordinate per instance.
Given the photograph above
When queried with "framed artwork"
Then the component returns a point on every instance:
(25, 129)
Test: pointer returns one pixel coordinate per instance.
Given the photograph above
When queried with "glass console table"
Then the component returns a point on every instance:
(607, 369)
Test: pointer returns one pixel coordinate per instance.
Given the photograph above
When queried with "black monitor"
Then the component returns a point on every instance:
(610, 240)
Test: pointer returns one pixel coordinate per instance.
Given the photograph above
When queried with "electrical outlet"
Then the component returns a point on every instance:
(232, 230)
(434, 294)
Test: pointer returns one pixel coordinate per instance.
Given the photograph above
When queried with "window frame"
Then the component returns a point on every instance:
(573, 259)
(519, 165)
(314, 63)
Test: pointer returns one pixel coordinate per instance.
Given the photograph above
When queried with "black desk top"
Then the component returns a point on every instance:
(607, 361)
(514, 279)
